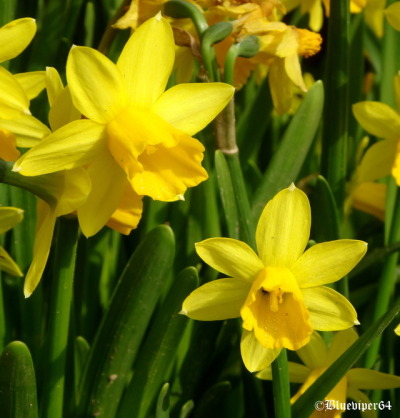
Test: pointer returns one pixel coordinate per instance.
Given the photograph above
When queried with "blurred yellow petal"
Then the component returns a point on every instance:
(316, 15)
(392, 14)
(168, 172)
(377, 118)
(284, 228)
(397, 330)
(329, 310)
(191, 107)
(281, 86)
(15, 37)
(372, 379)
(255, 356)
(8, 265)
(360, 397)
(28, 130)
(314, 354)
(340, 342)
(374, 15)
(297, 373)
(396, 165)
(370, 198)
(33, 82)
(14, 102)
(73, 145)
(274, 310)
(108, 184)
(293, 71)
(9, 217)
(96, 86)
(216, 300)
(63, 110)
(8, 146)
(146, 61)
(328, 262)
(231, 257)
(46, 219)
(396, 82)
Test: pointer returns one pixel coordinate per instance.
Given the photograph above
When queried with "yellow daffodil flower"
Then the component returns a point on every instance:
(374, 15)
(279, 293)
(8, 218)
(317, 357)
(392, 14)
(397, 330)
(136, 136)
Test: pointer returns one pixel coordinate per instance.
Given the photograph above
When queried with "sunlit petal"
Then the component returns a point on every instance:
(14, 101)
(314, 354)
(9, 217)
(341, 341)
(8, 265)
(33, 82)
(63, 110)
(370, 198)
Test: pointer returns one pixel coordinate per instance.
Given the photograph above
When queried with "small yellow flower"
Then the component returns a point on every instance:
(392, 14)
(317, 357)
(279, 293)
(9, 217)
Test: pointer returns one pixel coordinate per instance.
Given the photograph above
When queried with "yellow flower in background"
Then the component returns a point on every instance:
(135, 135)
(392, 14)
(279, 293)
(9, 217)
(317, 357)
(397, 330)
(374, 15)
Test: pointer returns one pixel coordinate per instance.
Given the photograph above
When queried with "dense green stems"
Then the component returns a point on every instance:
(280, 379)
(59, 318)
(336, 110)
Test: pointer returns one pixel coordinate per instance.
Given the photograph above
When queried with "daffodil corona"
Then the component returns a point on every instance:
(279, 293)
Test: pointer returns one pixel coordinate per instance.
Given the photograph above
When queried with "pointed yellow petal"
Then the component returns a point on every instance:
(397, 330)
(372, 379)
(73, 145)
(328, 262)
(168, 172)
(15, 37)
(370, 198)
(231, 257)
(33, 82)
(329, 310)
(379, 119)
(108, 184)
(8, 146)
(63, 110)
(46, 219)
(255, 356)
(378, 160)
(297, 373)
(96, 85)
(28, 130)
(341, 341)
(293, 71)
(8, 265)
(54, 84)
(191, 107)
(392, 14)
(147, 60)
(314, 354)
(9, 217)
(280, 85)
(14, 101)
(216, 300)
(316, 16)
(284, 228)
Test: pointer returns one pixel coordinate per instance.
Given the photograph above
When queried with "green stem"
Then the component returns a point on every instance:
(59, 318)
(280, 381)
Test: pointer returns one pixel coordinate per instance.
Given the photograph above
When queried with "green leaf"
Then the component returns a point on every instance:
(124, 324)
(162, 410)
(17, 382)
(289, 157)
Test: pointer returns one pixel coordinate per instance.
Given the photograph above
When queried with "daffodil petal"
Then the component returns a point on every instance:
(191, 107)
(28, 130)
(168, 172)
(297, 373)
(14, 102)
(316, 16)
(71, 146)
(9, 217)
(314, 354)
(108, 184)
(371, 379)
(280, 85)
(146, 61)
(15, 37)
(46, 219)
(8, 146)
(293, 71)
(328, 262)
(392, 14)
(54, 84)
(370, 198)
(378, 160)
(255, 356)
(63, 110)
(216, 300)
(329, 310)
(377, 118)
(231, 257)
(284, 228)
(341, 341)
(7, 264)
(96, 85)
(361, 397)
(32, 82)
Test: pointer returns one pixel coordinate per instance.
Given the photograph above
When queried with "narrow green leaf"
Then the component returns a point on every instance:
(304, 406)
(17, 382)
(289, 157)
(162, 410)
(187, 409)
(81, 354)
(281, 387)
(124, 324)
